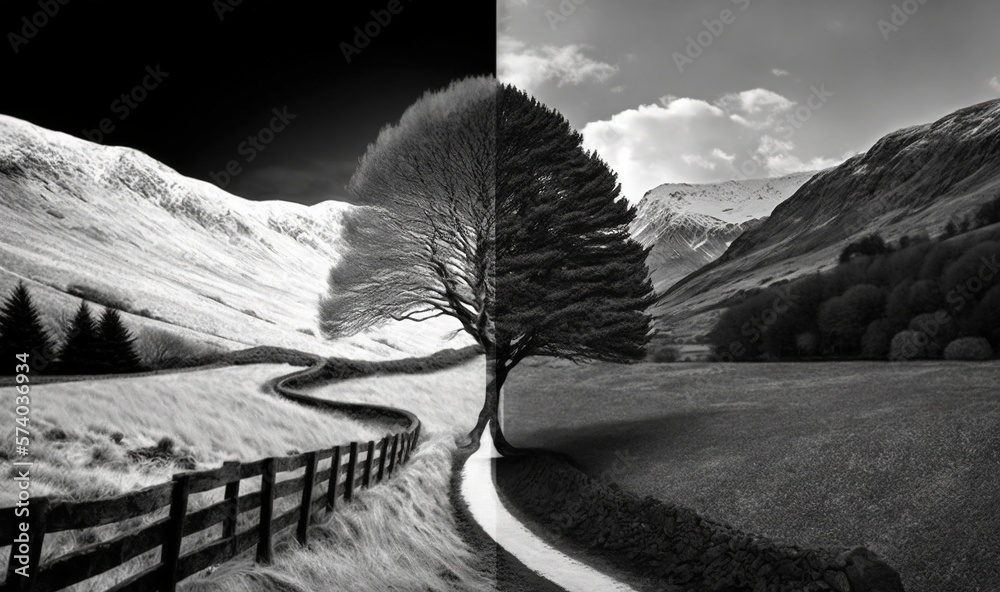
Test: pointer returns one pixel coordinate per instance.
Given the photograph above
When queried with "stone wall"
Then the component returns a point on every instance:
(675, 545)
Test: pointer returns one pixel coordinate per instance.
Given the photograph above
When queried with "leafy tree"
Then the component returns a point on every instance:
(21, 332)
(843, 320)
(116, 345)
(870, 245)
(876, 341)
(80, 353)
(988, 213)
(483, 206)
(424, 247)
(571, 282)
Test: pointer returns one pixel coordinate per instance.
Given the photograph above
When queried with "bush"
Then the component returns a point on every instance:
(939, 328)
(875, 343)
(974, 349)
(989, 213)
(159, 349)
(870, 246)
(909, 345)
(661, 354)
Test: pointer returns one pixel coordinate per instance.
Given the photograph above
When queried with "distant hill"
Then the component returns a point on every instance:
(113, 223)
(690, 226)
(912, 180)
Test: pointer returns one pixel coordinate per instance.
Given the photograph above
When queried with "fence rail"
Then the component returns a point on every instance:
(319, 491)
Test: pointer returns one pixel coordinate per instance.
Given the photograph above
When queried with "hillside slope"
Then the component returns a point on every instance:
(912, 180)
(79, 217)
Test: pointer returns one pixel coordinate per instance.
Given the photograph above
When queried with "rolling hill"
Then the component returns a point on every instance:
(913, 180)
(117, 226)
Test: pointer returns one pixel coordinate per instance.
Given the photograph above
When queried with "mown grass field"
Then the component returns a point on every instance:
(903, 459)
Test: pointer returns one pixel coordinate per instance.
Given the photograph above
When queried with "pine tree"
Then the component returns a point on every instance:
(116, 345)
(21, 332)
(79, 354)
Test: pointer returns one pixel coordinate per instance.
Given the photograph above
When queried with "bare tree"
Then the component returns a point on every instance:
(424, 245)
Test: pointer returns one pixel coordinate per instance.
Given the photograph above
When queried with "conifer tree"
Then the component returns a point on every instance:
(79, 354)
(21, 332)
(571, 282)
(116, 345)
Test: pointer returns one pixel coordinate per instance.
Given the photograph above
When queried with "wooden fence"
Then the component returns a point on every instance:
(351, 467)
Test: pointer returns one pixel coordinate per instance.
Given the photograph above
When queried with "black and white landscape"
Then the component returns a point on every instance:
(573, 296)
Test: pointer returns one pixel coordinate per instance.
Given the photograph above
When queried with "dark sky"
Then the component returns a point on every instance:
(225, 76)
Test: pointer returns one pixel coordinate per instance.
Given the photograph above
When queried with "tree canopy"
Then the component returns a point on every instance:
(482, 205)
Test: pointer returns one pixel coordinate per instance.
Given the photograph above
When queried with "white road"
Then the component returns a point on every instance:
(479, 492)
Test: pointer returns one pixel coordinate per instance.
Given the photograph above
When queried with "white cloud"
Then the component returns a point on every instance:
(995, 83)
(740, 135)
(527, 67)
(779, 72)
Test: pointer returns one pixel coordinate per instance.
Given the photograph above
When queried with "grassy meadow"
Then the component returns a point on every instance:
(400, 535)
(901, 458)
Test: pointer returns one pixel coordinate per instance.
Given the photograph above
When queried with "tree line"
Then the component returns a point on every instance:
(93, 345)
(919, 299)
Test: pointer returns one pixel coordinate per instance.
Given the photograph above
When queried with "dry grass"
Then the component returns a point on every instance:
(400, 535)
(213, 415)
(901, 458)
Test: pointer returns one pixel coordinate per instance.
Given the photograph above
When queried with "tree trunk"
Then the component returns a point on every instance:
(495, 378)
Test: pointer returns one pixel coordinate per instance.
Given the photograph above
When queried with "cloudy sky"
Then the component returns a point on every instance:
(711, 90)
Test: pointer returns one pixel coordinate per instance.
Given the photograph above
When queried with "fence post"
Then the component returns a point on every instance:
(307, 496)
(331, 492)
(232, 496)
(265, 550)
(408, 447)
(352, 465)
(383, 451)
(392, 455)
(171, 552)
(367, 479)
(38, 509)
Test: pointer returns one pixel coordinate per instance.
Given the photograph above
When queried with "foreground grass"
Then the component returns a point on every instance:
(401, 534)
(211, 416)
(902, 459)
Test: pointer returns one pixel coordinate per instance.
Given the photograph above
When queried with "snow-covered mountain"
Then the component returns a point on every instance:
(82, 218)
(689, 226)
(912, 180)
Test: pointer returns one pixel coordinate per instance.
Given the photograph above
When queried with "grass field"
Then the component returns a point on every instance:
(400, 535)
(903, 459)
(211, 416)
